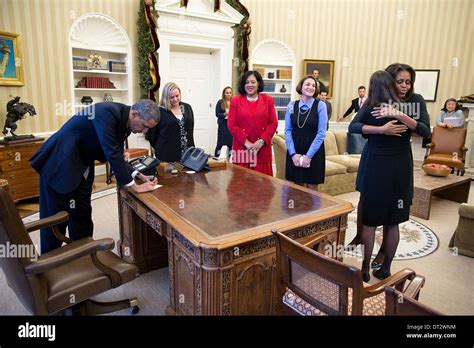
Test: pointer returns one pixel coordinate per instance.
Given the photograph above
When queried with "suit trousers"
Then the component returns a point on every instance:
(78, 205)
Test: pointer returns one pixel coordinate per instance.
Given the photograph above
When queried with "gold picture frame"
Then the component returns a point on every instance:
(326, 69)
(11, 61)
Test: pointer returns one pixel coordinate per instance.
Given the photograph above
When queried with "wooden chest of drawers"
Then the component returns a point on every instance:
(23, 181)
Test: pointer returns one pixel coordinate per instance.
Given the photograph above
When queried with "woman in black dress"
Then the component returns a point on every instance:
(413, 106)
(174, 134)
(386, 169)
(224, 137)
(305, 129)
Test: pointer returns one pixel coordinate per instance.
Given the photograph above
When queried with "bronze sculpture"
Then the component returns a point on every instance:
(16, 111)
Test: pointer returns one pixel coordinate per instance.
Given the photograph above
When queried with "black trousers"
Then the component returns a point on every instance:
(77, 203)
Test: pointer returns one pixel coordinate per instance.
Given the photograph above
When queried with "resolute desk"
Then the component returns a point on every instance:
(213, 230)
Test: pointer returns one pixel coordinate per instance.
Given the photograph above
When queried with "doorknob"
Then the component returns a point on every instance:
(210, 105)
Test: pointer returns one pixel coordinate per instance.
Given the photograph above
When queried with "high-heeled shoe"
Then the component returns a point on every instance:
(379, 274)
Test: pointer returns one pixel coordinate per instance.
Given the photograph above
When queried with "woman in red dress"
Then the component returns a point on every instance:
(252, 122)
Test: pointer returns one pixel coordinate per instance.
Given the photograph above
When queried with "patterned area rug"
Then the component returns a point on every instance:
(416, 240)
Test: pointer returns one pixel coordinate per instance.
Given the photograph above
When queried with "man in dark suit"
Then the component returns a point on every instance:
(356, 103)
(321, 86)
(323, 97)
(66, 162)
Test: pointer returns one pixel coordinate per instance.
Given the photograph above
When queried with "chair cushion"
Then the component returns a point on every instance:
(352, 164)
(333, 168)
(446, 159)
(330, 144)
(374, 305)
(341, 140)
(355, 143)
(79, 280)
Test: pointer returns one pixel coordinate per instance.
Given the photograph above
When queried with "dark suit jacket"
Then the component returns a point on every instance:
(166, 137)
(354, 106)
(322, 87)
(98, 132)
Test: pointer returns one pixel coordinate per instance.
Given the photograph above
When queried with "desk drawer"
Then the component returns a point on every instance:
(18, 153)
(21, 177)
(12, 165)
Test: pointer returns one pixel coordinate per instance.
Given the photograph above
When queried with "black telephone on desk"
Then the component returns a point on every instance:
(145, 165)
(195, 159)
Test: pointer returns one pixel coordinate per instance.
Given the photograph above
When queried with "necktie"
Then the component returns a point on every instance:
(360, 103)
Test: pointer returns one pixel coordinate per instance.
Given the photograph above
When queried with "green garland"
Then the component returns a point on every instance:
(144, 46)
(239, 29)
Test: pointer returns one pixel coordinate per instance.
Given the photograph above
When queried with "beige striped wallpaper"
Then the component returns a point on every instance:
(44, 27)
(371, 34)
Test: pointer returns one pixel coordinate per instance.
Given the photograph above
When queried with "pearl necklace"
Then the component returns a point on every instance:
(252, 99)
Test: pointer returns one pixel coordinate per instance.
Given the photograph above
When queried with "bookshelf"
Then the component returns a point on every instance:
(101, 35)
(95, 35)
(276, 63)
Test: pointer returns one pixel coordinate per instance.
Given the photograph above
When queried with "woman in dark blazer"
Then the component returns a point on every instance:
(222, 113)
(252, 122)
(174, 134)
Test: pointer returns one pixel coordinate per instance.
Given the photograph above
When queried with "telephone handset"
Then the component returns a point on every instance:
(195, 159)
(145, 165)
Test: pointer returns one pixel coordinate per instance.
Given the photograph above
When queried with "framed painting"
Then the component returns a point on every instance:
(11, 63)
(426, 83)
(323, 70)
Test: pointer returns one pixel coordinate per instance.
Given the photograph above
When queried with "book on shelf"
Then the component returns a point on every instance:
(284, 74)
(281, 101)
(116, 66)
(269, 87)
(281, 115)
(79, 63)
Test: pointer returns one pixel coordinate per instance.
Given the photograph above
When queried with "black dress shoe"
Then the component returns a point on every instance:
(379, 274)
(375, 265)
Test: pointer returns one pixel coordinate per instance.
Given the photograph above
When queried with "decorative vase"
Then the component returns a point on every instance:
(271, 75)
(108, 97)
(283, 89)
(87, 100)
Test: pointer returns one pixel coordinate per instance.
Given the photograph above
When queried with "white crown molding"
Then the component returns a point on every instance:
(99, 32)
(199, 9)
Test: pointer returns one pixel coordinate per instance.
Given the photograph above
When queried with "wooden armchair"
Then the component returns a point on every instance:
(310, 283)
(65, 278)
(397, 303)
(447, 147)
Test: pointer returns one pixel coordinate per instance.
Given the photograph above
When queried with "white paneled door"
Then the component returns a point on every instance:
(194, 71)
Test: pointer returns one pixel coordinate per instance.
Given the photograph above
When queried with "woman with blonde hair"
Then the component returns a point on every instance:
(174, 134)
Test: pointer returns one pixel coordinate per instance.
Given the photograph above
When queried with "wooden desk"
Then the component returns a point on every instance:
(213, 230)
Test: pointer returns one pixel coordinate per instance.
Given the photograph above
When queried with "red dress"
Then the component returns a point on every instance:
(252, 121)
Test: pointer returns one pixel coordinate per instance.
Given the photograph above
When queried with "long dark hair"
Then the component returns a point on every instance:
(382, 89)
(225, 103)
(244, 78)
(458, 106)
(395, 68)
